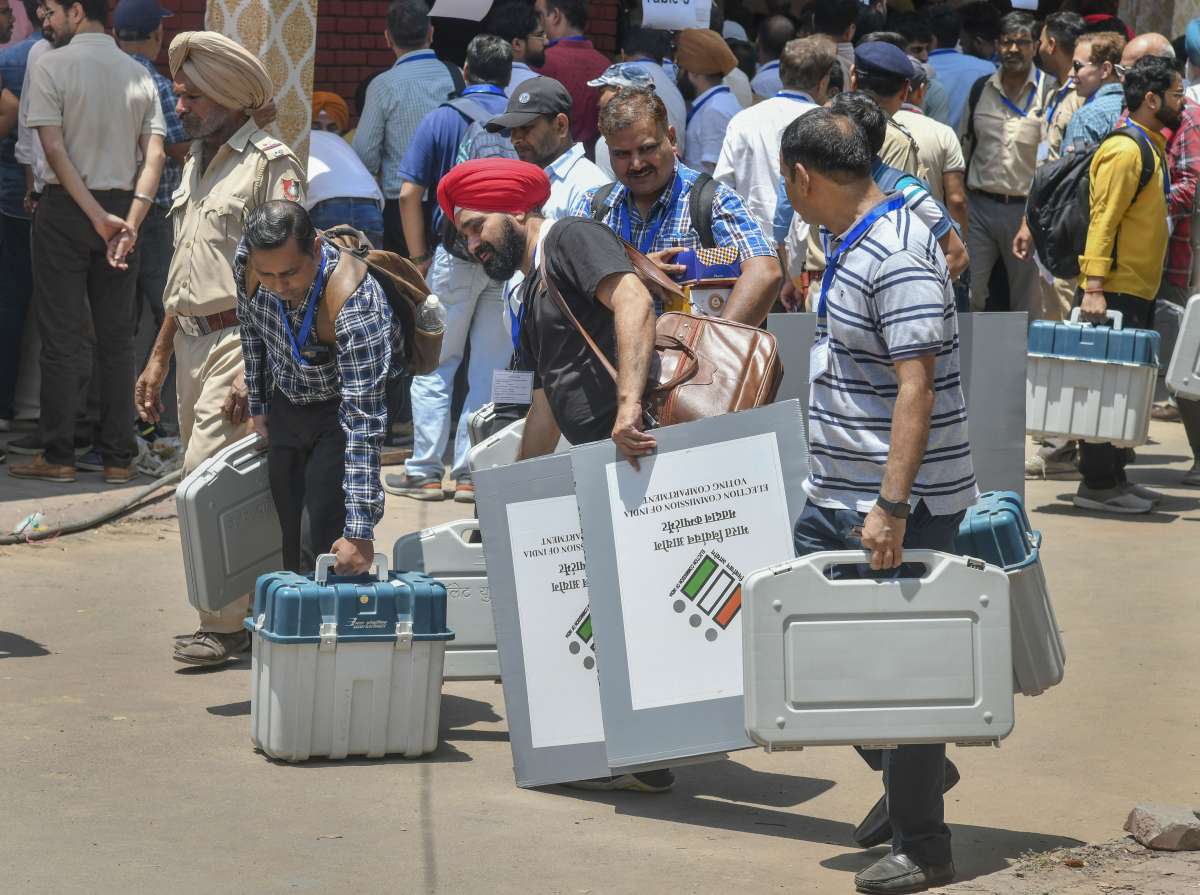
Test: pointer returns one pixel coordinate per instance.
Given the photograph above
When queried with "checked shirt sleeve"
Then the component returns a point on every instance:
(254, 350)
(364, 357)
(734, 225)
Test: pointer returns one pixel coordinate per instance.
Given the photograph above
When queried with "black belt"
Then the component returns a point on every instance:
(1003, 200)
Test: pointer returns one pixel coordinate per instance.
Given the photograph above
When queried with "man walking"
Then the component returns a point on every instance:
(1056, 55)
(97, 112)
(773, 35)
(956, 70)
(232, 167)
(1097, 68)
(517, 23)
(882, 488)
(1001, 136)
(704, 59)
(572, 60)
(397, 101)
(1122, 263)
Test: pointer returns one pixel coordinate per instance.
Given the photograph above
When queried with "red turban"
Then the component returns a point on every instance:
(493, 184)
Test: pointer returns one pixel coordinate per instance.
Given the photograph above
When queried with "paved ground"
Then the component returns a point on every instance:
(122, 772)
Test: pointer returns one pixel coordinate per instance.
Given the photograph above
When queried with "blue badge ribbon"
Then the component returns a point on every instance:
(627, 217)
(423, 54)
(700, 105)
(1037, 86)
(484, 88)
(831, 258)
(300, 338)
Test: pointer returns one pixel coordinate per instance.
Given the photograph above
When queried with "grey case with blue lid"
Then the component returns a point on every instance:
(877, 663)
(228, 525)
(453, 554)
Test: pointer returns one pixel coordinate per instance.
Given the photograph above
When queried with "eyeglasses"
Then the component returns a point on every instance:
(1021, 43)
(538, 35)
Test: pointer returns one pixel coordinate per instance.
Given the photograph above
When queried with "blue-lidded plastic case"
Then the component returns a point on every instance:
(997, 530)
(1096, 343)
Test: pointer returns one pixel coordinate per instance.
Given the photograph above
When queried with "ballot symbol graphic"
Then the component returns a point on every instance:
(580, 641)
(709, 594)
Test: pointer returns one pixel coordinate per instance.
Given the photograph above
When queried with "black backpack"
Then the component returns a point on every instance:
(1059, 205)
(700, 203)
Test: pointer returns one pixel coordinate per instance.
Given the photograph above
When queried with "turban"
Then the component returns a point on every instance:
(493, 184)
(704, 52)
(1192, 41)
(222, 69)
(333, 106)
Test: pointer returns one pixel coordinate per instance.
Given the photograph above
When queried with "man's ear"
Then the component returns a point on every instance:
(563, 122)
(671, 133)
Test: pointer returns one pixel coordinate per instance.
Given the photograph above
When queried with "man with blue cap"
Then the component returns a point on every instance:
(615, 77)
(138, 25)
(884, 71)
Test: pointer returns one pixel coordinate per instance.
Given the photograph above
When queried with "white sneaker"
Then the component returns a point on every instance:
(1111, 500)
(1143, 492)
(1038, 467)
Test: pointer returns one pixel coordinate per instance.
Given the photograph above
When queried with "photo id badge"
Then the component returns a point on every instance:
(1043, 151)
(818, 359)
(512, 386)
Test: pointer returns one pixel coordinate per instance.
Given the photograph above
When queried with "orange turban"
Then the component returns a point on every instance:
(333, 106)
(704, 52)
(493, 184)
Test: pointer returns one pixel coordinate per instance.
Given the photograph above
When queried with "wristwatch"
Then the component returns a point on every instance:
(897, 509)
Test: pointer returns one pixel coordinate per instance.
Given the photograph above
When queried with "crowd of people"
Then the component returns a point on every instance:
(869, 165)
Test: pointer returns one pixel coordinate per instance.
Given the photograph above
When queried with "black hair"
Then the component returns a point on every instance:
(1179, 45)
(980, 19)
(837, 78)
(773, 35)
(1016, 22)
(650, 42)
(1065, 28)
(744, 53)
(945, 24)
(575, 11)
(630, 105)
(512, 20)
(489, 59)
(408, 22)
(833, 17)
(869, 20)
(915, 28)
(895, 38)
(93, 10)
(272, 224)
(865, 112)
(1150, 74)
(828, 143)
(1112, 23)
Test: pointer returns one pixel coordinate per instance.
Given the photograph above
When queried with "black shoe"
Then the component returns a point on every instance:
(897, 874)
(876, 828)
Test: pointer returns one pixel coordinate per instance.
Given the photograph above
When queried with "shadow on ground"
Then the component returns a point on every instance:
(14, 646)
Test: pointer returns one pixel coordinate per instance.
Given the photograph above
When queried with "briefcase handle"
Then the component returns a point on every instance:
(326, 561)
(932, 560)
(1116, 318)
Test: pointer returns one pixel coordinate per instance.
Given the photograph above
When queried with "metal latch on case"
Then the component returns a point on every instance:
(404, 635)
(328, 636)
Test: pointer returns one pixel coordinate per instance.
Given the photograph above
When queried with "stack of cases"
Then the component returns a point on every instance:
(453, 554)
(997, 531)
(1183, 374)
(1093, 383)
(347, 666)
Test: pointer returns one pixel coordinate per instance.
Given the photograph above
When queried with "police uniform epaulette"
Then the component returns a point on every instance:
(269, 146)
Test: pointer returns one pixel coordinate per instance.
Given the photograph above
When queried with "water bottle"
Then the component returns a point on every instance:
(431, 316)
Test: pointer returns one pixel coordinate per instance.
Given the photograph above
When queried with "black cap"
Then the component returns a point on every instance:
(534, 98)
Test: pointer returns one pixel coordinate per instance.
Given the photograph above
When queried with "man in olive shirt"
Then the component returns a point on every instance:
(96, 112)
(232, 168)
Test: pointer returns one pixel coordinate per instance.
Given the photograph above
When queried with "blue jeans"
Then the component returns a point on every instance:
(474, 310)
(913, 776)
(361, 214)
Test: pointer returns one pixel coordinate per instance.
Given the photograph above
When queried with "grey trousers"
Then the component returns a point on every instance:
(993, 226)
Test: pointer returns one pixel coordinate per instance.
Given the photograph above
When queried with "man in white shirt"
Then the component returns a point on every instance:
(517, 23)
(340, 188)
(749, 159)
(773, 35)
(704, 59)
(648, 47)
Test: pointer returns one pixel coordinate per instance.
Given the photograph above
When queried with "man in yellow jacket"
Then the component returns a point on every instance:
(1122, 262)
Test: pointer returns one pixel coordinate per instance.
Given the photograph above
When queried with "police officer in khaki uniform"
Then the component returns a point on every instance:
(232, 168)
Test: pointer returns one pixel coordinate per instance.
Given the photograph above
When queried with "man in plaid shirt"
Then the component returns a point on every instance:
(320, 407)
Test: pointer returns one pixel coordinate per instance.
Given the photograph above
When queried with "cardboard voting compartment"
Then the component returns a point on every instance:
(668, 548)
(992, 357)
(874, 663)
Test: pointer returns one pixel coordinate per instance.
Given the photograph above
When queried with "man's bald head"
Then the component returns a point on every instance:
(1150, 44)
(773, 35)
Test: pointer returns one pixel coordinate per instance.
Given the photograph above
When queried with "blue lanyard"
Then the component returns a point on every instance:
(1166, 174)
(1058, 98)
(698, 106)
(423, 54)
(298, 339)
(770, 66)
(484, 88)
(798, 95)
(558, 40)
(648, 239)
(1037, 86)
(831, 258)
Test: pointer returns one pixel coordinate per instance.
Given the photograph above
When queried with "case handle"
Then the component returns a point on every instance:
(325, 563)
(1117, 318)
(932, 560)
(250, 451)
(463, 527)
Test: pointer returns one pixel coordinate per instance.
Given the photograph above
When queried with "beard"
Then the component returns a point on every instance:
(536, 60)
(197, 128)
(504, 258)
(686, 87)
(1170, 119)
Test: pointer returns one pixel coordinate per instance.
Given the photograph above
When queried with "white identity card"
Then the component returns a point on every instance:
(512, 386)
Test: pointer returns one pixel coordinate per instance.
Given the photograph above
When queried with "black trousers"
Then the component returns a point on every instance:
(306, 465)
(1102, 465)
(72, 281)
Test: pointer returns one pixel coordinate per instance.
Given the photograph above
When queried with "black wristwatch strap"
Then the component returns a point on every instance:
(897, 509)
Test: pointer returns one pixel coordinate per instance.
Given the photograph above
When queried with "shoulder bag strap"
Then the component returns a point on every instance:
(599, 198)
(342, 283)
(703, 192)
(552, 288)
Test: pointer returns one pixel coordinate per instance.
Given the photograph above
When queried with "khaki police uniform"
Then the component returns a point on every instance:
(208, 213)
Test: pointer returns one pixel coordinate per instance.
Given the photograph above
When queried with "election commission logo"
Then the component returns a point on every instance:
(579, 639)
(709, 594)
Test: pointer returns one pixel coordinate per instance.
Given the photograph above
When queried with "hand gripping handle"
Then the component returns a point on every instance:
(326, 561)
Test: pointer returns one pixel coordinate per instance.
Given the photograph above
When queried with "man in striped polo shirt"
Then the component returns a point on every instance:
(890, 463)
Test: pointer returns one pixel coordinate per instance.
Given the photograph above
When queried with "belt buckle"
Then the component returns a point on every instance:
(192, 326)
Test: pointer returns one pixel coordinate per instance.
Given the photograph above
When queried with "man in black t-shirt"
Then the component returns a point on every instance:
(495, 204)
